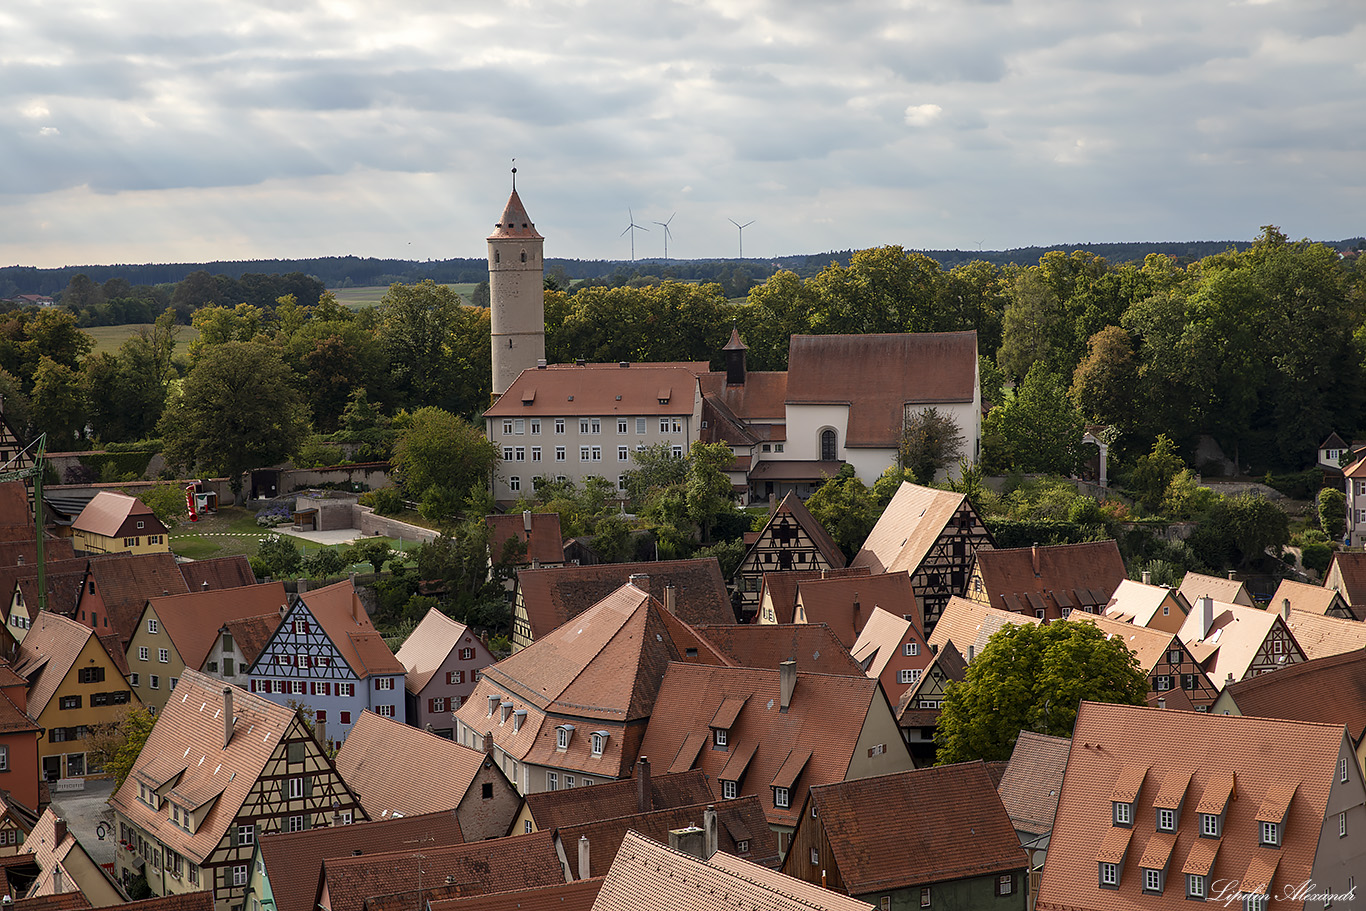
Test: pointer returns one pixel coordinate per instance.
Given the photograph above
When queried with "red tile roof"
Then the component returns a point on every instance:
(294, 860)
(25, 552)
(641, 389)
(1297, 693)
(193, 619)
(217, 572)
(50, 650)
(969, 624)
(514, 222)
(427, 646)
(761, 399)
(1231, 591)
(545, 545)
(879, 375)
(10, 575)
(1058, 576)
(780, 588)
(739, 820)
(1033, 781)
(576, 896)
(791, 505)
(813, 646)
(340, 613)
(961, 828)
(106, 513)
(846, 604)
(127, 581)
(553, 596)
(482, 866)
(1350, 567)
(1110, 740)
(610, 799)
(381, 760)
(252, 633)
(827, 714)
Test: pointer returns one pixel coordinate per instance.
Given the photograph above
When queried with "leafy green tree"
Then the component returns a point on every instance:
(1032, 325)
(57, 404)
(1332, 508)
(324, 562)
(237, 409)
(82, 294)
(1034, 678)
(930, 441)
(1153, 473)
(655, 468)
(441, 457)
(709, 492)
(219, 325)
(847, 509)
(375, 551)
(1104, 383)
(277, 555)
(437, 348)
(1185, 499)
(166, 501)
(883, 289)
(116, 744)
(1036, 430)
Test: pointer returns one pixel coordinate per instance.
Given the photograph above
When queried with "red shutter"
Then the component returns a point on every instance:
(459, 676)
(327, 689)
(376, 683)
(431, 705)
(313, 689)
(253, 684)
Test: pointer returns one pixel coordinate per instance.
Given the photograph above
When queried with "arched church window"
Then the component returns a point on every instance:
(523, 256)
(828, 449)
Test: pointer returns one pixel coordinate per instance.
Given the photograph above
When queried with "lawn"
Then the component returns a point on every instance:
(234, 531)
(359, 298)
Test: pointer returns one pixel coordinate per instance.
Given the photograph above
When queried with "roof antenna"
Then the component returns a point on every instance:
(514, 175)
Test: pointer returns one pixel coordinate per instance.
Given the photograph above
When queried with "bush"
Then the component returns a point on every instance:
(387, 501)
(279, 556)
(1302, 485)
(1316, 557)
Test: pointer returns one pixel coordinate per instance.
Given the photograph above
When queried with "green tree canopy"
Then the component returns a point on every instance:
(238, 409)
(930, 441)
(847, 509)
(1037, 429)
(1034, 678)
(440, 456)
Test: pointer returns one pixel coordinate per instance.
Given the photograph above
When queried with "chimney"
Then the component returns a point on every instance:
(671, 598)
(21, 559)
(526, 521)
(623, 364)
(1147, 577)
(540, 363)
(1162, 702)
(710, 838)
(58, 887)
(488, 743)
(585, 871)
(1034, 556)
(640, 581)
(787, 683)
(1285, 609)
(972, 653)
(1206, 604)
(204, 586)
(1230, 576)
(227, 716)
(58, 832)
(644, 796)
(691, 840)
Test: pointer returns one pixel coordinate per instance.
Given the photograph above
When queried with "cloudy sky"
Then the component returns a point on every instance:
(188, 130)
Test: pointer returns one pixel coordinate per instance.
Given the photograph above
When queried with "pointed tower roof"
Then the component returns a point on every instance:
(735, 344)
(515, 223)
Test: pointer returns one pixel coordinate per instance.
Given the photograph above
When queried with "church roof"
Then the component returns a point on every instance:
(514, 223)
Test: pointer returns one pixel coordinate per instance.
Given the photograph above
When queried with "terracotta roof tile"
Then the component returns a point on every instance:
(25, 552)
(294, 860)
(218, 572)
(780, 588)
(1110, 739)
(1233, 640)
(791, 505)
(646, 876)
(252, 633)
(1296, 693)
(381, 759)
(427, 646)
(827, 713)
(63, 592)
(514, 222)
(812, 645)
(554, 595)
(1033, 781)
(962, 829)
(14, 504)
(71, 901)
(1149, 646)
(1086, 573)
(846, 604)
(761, 399)
(1230, 591)
(186, 901)
(553, 809)
(193, 619)
(878, 376)
(1135, 602)
(576, 896)
(481, 866)
(10, 576)
(1350, 567)
(1321, 637)
(907, 529)
(127, 581)
(51, 648)
(1314, 599)
(106, 513)
(743, 815)
(969, 624)
(563, 389)
(546, 545)
(339, 611)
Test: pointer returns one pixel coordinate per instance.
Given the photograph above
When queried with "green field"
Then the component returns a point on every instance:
(356, 298)
(109, 338)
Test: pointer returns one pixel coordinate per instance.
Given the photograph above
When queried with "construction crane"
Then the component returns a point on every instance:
(34, 471)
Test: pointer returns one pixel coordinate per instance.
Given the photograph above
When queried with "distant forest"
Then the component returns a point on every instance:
(355, 271)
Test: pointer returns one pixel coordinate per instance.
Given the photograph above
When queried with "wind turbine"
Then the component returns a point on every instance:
(742, 233)
(667, 235)
(632, 227)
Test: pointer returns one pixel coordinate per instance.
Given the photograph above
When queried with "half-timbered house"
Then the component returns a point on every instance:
(220, 768)
(1048, 582)
(1233, 642)
(1175, 678)
(932, 536)
(917, 711)
(326, 656)
(792, 539)
(1315, 599)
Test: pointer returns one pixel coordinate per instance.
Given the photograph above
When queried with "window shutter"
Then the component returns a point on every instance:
(377, 683)
(232, 835)
(253, 684)
(313, 689)
(327, 689)
(431, 705)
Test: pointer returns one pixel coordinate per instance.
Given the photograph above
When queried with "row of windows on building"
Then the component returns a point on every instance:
(303, 687)
(515, 481)
(133, 541)
(519, 426)
(117, 697)
(586, 453)
(153, 681)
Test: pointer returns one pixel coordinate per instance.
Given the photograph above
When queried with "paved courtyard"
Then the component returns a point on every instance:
(88, 816)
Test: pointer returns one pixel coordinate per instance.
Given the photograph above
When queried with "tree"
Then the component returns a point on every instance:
(847, 509)
(57, 403)
(1104, 383)
(655, 468)
(1031, 326)
(116, 744)
(438, 349)
(324, 562)
(1032, 677)
(1038, 429)
(166, 501)
(1333, 513)
(441, 458)
(238, 409)
(1153, 473)
(709, 491)
(277, 555)
(930, 442)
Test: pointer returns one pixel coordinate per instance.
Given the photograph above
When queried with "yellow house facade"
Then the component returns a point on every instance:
(117, 523)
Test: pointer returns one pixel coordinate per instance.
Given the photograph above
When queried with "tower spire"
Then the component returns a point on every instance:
(514, 175)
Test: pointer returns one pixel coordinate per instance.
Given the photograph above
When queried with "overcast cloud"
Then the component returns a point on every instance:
(186, 130)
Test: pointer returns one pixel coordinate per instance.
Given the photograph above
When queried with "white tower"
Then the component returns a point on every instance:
(516, 293)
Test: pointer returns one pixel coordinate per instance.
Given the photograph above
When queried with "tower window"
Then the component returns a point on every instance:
(523, 256)
(495, 256)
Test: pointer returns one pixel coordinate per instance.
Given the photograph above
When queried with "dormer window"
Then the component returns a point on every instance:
(721, 735)
(505, 708)
(599, 742)
(493, 704)
(518, 719)
(1271, 834)
(1166, 820)
(1211, 825)
(782, 798)
(730, 790)
(563, 733)
(1123, 813)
